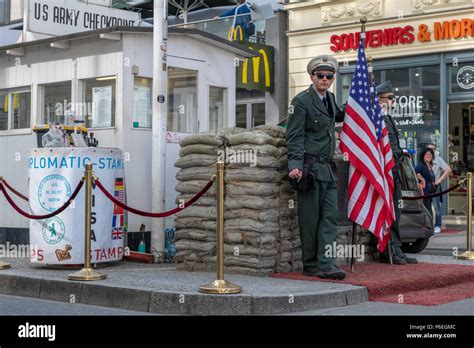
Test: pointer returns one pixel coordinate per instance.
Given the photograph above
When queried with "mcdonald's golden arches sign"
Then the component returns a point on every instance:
(257, 73)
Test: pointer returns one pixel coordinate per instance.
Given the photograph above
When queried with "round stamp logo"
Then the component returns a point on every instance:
(465, 77)
(53, 230)
(53, 191)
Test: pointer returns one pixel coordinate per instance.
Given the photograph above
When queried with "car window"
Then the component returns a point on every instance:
(408, 176)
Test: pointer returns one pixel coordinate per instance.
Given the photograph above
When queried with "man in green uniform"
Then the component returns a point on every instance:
(386, 100)
(310, 139)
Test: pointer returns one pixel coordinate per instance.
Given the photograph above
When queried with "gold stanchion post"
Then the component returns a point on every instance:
(3, 265)
(87, 273)
(468, 255)
(220, 286)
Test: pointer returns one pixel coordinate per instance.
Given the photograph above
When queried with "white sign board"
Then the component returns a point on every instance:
(63, 17)
(102, 107)
(54, 174)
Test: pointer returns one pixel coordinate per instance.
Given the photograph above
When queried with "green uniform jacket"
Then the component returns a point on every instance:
(311, 129)
(394, 142)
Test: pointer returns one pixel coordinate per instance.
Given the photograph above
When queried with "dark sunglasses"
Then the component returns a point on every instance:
(321, 76)
(390, 97)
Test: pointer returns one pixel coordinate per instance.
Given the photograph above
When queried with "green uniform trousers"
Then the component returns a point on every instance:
(317, 218)
(395, 237)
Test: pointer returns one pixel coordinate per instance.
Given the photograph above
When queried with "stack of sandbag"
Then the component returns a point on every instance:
(288, 237)
(252, 197)
(196, 225)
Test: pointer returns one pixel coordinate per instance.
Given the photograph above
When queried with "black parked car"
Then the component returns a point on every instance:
(416, 222)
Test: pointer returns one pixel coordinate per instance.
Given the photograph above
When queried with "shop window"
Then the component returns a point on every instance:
(100, 99)
(142, 110)
(56, 104)
(217, 107)
(462, 78)
(250, 114)
(15, 110)
(182, 100)
(417, 108)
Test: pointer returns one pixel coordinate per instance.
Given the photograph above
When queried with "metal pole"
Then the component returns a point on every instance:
(220, 286)
(354, 227)
(159, 123)
(87, 273)
(3, 265)
(26, 21)
(468, 255)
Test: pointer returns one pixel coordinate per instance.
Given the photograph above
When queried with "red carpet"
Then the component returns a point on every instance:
(421, 284)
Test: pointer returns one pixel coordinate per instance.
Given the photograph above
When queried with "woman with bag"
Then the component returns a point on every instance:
(424, 172)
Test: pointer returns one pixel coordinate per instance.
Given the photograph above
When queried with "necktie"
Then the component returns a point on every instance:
(325, 102)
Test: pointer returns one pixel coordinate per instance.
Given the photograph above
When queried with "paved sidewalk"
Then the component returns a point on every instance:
(162, 289)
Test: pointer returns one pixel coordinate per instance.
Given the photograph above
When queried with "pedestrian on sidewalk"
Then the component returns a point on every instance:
(441, 171)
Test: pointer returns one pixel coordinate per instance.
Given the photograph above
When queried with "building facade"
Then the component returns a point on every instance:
(425, 48)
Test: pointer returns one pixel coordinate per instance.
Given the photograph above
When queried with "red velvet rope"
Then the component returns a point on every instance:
(432, 195)
(41, 217)
(7, 185)
(154, 215)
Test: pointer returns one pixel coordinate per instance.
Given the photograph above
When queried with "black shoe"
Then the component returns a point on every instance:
(310, 272)
(408, 259)
(332, 272)
(395, 259)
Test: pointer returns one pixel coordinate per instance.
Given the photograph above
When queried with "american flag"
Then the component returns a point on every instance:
(365, 142)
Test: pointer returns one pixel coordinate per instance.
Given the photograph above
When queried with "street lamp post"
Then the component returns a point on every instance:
(159, 120)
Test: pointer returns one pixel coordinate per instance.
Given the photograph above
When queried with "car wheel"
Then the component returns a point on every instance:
(415, 247)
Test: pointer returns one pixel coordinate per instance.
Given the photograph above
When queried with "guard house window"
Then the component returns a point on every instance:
(3, 111)
(217, 107)
(56, 106)
(15, 110)
(16, 10)
(142, 103)
(100, 99)
(182, 100)
(2, 12)
(417, 110)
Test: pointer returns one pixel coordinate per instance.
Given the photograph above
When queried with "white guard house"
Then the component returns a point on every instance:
(37, 77)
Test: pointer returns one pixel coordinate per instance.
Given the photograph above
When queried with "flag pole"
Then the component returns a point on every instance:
(363, 21)
(373, 97)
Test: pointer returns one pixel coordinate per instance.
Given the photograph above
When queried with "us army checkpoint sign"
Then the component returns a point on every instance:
(54, 174)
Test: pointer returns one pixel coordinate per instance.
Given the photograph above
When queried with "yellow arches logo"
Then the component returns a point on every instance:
(256, 73)
(256, 68)
(232, 35)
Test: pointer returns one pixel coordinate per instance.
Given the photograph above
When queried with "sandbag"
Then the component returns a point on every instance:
(188, 244)
(255, 137)
(198, 149)
(271, 130)
(261, 162)
(195, 173)
(249, 188)
(253, 174)
(254, 214)
(260, 150)
(191, 222)
(195, 234)
(251, 225)
(198, 212)
(249, 238)
(206, 200)
(194, 187)
(241, 249)
(250, 201)
(195, 160)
